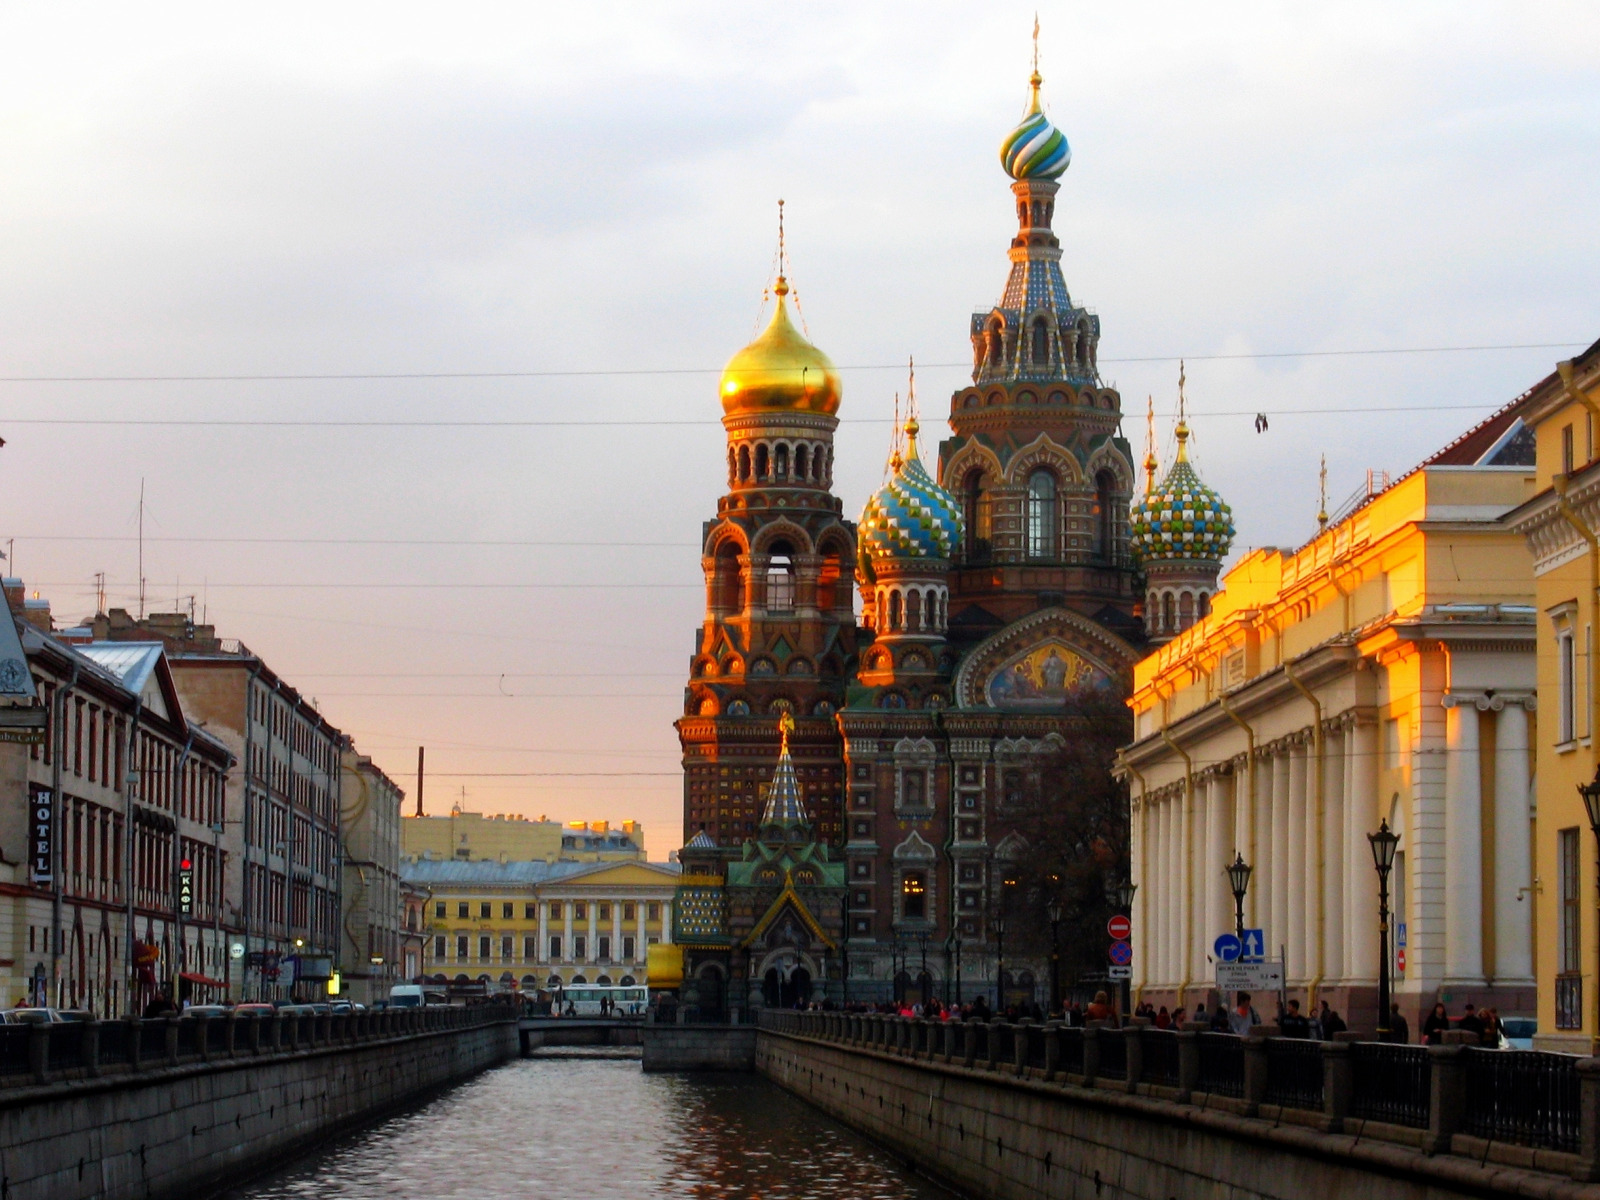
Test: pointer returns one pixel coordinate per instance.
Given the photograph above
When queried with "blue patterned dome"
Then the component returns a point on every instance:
(1180, 517)
(1035, 149)
(910, 517)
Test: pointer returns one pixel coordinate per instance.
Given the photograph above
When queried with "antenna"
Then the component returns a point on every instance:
(1322, 495)
(141, 548)
(99, 592)
(419, 780)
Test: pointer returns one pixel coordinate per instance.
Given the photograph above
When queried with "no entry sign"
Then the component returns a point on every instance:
(1120, 928)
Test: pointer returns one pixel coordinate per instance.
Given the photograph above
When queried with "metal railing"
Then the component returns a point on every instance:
(1522, 1098)
(45, 1052)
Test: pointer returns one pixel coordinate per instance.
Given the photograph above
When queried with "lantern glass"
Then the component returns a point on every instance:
(1591, 799)
(1239, 875)
(1383, 846)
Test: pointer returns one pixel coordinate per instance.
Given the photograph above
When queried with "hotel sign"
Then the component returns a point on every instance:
(41, 835)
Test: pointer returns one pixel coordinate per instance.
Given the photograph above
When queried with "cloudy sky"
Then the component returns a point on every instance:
(588, 191)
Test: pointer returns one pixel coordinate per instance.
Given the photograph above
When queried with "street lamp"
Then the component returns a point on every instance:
(1383, 844)
(1000, 961)
(1591, 804)
(1124, 901)
(1239, 881)
(1053, 910)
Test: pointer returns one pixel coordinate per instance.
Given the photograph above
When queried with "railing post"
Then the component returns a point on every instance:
(1447, 1095)
(202, 1035)
(995, 1028)
(1338, 1083)
(1256, 1067)
(1052, 1050)
(253, 1036)
(1189, 1060)
(136, 1043)
(1588, 1168)
(1091, 1052)
(233, 1034)
(172, 1041)
(39, 1051)
(1133, 1051)
(91, 1047)
(1019, 1046)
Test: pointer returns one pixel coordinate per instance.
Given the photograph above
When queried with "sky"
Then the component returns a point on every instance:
(584, 196)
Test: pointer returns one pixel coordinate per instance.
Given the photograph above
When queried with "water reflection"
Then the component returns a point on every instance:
(596, 1129)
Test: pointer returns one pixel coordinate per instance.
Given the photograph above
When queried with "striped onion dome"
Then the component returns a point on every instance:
(1180, 517)
(1035, 149)
(910, 517)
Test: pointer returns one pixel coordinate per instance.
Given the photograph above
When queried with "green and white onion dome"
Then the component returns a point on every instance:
(910, 517)
(1180, 517)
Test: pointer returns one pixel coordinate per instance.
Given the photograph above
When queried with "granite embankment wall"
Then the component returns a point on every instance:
(699, 1047)
(154, 1126)
(1004, 1132)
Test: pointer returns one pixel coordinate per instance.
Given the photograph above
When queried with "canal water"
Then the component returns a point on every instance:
(593, 1129)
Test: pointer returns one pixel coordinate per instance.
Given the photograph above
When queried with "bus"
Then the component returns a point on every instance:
(583, 1000)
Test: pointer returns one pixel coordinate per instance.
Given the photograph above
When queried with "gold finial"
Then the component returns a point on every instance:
(911, 425)
(1183, 417)
(895, 461)
(785, 728)
(1322, 495)
(782, 286)
(1035, 79)
(1150, 463)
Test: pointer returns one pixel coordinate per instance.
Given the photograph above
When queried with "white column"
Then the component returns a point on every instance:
(542, 950)
(1171, 901)
(1156, 903)
(640, 939)
(1138, 843)
(666, 922)
(1298, 882)
(1513, 861)
(1333, 960)
(1463, 845)
(1278, 863)
(593, 946)
(566, 931)
(616, 931)
(1258, 852)
(1360, 878)
(1213, 877)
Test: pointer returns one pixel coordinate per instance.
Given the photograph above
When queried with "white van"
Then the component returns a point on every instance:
(406, 995)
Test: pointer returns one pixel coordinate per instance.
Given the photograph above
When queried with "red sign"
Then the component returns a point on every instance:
(1400, 959)
(1120, 928)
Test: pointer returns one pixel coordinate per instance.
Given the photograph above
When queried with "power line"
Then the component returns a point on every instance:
(304, 541)
(552, 774)
(336, 376)
(599, 585)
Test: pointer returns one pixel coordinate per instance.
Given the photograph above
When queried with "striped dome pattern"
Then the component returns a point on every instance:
(1035, 149)
(909, 517)
(1181, 518)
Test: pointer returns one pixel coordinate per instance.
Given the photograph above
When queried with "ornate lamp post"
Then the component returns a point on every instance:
(1124, 901)
(1383, 844)
(1053, 910)
(922, 979)
(1239, 881)
(1000, 961)
(1591, 805)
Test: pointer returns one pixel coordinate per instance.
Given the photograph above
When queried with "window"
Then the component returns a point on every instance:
(605, 949)
(438, 948)
(580, 946)
(461, 946)
(863, 869)
(484, 909)
(1566, 449)
(580, 911)
(1105, 486)
(654, 913)
(483, 948)
(1041, 343)
(530, 912)
(505, 946)
(863, 899)
(1569, 983)
(863, 925)
(913, 896)
(780, 579)
(605, 912)
(506, 910)
(462, 910)
(438, 910)
(1041, 515)
(629, 949)
(630, 912)
(530, 947)
(913, 789)
(1567, 678)
(555, 946)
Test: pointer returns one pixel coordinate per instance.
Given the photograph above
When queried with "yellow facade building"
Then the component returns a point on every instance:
(530, 925)
(1561, 522)
(1383, 671)
(510, 837)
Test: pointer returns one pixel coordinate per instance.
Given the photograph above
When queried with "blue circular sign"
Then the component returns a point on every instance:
(1122, 953)
(1227, 948)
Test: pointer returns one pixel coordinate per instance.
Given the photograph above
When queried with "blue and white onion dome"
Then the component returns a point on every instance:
(1180, 517)
(910, 517)
(1035, 149)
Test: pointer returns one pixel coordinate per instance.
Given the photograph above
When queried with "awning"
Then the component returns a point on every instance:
(192, 977)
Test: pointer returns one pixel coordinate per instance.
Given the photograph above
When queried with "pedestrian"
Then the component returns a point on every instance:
(1100, 1009)
(1200, 1015)
(1292, 1022)
(1243, 1017)
(1436, 1026)
(1471, 1023)
(1331, 1022)
(1493, 1033)
(1399, 1031)
(1163, 1018)
(1179, 1016)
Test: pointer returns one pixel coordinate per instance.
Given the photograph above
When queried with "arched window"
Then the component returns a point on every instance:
(817, 456)
(780, 461)
(1083, 343)
(780, 578)
(976, 503)
(728, 595)
(995, 346)
(1169, 616)
(913, 611)
(1041, 515)
(744, 464)
(828, 577)
(733, 467)
(1203, 606)
(761, 461)
(1041, 343)
(1105, 538)
(1185, 610)
(894, 610)
(801, 464)
(914, 896)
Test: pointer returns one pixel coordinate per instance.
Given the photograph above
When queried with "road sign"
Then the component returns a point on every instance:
(1400, 934)
(1400, 959)
(1119, 972)
(1226, 948)
(1121, 953)
(1120, 928)
(1254, 945)
(1249, 977)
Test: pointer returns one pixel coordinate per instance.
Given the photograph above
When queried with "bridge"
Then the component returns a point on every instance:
(536, 1032)
(1048, 1111)
(179, 1107)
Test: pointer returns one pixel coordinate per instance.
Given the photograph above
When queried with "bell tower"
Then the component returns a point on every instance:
(778, 637)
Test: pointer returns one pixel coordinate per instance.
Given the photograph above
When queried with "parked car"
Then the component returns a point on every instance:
(255, 1009)
(32, 1016)
(1517, 1032)
(208, 1010)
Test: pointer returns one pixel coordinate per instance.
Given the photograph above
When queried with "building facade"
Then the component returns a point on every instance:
(372, 910)
(997, 599)
(510, 837)
(1560, 522)
(531, 925)
(1382, 672)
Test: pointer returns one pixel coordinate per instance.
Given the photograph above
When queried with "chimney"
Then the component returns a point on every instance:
(14, 593)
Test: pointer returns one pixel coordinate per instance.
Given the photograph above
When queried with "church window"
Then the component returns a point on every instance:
(828, 578)
(744, 464)
(727, 592)
(605, 912)
(1041, 343)
(761, 461)
(780, 460)
(780, 579)
(1105, 509)
(580, 911)
(977, 514)
(995, 347)
(801, 464)
(1169, 622)
(913, 611)
(653, 913)
(913, 789)
(733, 467)
(914, 896)
(894, 610)
(627, 912)
(1041, 515)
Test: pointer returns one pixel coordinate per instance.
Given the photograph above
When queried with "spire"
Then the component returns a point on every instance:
(1150, 463)
(1183, 418)
(911, 426)
(783, 797)
(1322, 495)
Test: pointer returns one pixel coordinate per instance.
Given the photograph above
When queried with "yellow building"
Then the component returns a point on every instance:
(1383, 671)
(509, 837)
(1560, 523)
(538, 924)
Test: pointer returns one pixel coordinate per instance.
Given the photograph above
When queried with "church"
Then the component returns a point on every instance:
(850, 783)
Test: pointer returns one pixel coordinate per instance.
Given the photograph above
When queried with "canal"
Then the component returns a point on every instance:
(596, 1129)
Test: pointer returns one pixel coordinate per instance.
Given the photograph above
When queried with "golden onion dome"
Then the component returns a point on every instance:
(780, 371)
